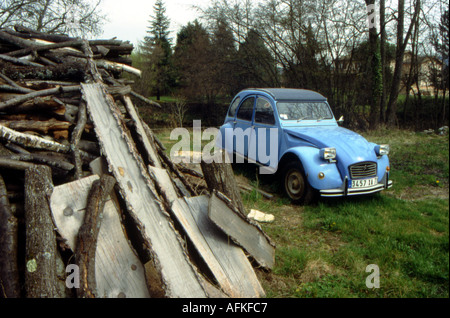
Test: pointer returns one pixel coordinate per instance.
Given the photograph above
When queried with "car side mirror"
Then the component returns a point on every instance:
(341, 120)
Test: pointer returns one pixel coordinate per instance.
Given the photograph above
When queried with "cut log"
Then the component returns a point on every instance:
(220, 177)
(35, 142)
(42, 127)
(169, 259)
(243, 231)
(41, 251)
(118, 271)
(227, 262)
(9, 271)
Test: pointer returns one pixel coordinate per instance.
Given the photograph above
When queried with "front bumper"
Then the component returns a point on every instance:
(346, 191)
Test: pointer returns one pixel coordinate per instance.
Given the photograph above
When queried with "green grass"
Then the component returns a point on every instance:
(323, 249)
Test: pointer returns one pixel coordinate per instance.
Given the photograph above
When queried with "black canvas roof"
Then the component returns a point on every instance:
(293, 94)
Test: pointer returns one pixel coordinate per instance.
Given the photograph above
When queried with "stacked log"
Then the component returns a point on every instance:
(77, 161)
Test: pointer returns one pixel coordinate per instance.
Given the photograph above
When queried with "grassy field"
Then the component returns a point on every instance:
(323, 249)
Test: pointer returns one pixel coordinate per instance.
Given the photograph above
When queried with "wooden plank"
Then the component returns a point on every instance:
(226, 261)
(165, 183)
(177, 275)
(242, 230)
(148, 145)
(118, 271)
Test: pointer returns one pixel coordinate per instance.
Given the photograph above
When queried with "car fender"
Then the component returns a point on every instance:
(313, 164)
(382, 167)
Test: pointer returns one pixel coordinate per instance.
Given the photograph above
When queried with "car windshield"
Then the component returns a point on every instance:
(304, 111)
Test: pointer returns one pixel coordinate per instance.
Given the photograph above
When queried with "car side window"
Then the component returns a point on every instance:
(234, 106)
(246, 110)
(264, 112)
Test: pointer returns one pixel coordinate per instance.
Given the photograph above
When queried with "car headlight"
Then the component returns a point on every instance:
(382, 150)
(328, 153)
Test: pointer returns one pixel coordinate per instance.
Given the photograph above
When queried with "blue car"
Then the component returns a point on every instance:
(293, 132)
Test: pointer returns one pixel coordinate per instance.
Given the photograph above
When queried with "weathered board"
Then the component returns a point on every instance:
(165, 183)
(173, 270)
(242, 231)
(227, 261)
(118, 271)
(151, 151)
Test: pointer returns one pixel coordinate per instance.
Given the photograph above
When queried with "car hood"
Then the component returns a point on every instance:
(350, 146)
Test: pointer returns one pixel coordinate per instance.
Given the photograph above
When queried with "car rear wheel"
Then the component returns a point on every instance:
(295, 184)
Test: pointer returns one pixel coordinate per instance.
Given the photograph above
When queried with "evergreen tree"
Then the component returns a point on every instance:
(256, 66)
(225, 57)
(157, 51)
(193, 60)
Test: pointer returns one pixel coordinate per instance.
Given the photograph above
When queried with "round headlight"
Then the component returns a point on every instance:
(382, 150)
(328, 153)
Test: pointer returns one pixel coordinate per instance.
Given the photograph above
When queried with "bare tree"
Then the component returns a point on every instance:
(402, 42)
(178, 111)
(72, 17)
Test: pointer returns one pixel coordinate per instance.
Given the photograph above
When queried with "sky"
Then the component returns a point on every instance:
(129, 19)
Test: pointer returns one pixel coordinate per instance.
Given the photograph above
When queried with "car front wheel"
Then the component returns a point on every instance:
(295, 184)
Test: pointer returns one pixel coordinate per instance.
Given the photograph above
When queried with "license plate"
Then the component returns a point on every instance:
(364, 183)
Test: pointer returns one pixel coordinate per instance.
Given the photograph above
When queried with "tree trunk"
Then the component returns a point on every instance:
(391, 115)
(375, 71)
(383, 58)
(220, 177)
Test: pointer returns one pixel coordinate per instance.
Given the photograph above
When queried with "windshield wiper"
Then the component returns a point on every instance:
(302, 118)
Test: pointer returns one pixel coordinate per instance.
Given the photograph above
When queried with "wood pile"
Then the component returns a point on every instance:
(90, 204)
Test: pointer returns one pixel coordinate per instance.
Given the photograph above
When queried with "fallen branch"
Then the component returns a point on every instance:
(76, 136)
(88, 233)
(19, 61)
(6, 162)
(23, 98)
(145, 100)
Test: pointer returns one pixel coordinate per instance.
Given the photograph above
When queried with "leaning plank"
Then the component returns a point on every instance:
(148, 145)
(241, 230)
(227, 262)
(118, 271)
(172, 266)
(167, 188)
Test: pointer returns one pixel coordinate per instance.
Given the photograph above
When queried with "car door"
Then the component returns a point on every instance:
(243, 127)
(265, 137)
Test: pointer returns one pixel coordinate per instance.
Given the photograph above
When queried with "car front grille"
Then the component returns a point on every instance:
(363, 170)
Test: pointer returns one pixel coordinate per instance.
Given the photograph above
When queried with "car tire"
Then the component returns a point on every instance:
(295, 184)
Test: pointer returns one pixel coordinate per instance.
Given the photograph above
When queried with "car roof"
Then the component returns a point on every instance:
(280, 94)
